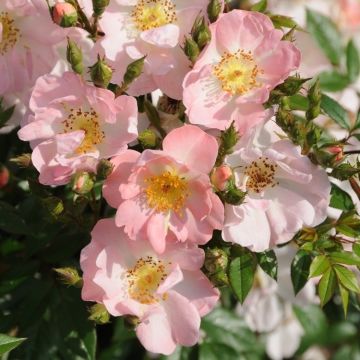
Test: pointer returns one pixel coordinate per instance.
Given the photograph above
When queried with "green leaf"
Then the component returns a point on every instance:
(268, 262)
(180, 353)
(344, 171)
(327, 286)
(5, 115)
(260, 6)
(319, 265)
(344, 294)
(340, 199)
(347, 278)
(8, 343)
(10, 220)
(356, 248)
(215, 351)
(298, 102)
(280, 21)
(225, 327)
(345, 257)
(300, 267)
(335, 111)
(333, 81)
(357, 122)
(347, 230)
(241, 274)
(326, 35)
(352, 61)
(314, 323)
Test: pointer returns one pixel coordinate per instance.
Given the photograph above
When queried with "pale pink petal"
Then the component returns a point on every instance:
(153, 327)
(166, 36)
(156, 231)
(183, 317)
(199, 290)
(193, 147)
(122, 166)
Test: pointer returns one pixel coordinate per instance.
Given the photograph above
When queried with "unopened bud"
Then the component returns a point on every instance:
(215, 260)
(23, 160)
(329, 155)
(228, 140)
(201, 32)
(134, 70)
(131, 321)
(69, 276)
(104, 169)
(4, 176)
(291, 85)
(219, 279)
(284, 118)
(64, 14)
(230, 137)
(337, 150)
(289, 36)
(74, 57)
(99, 314)
(54, 205)
(214, 10)
(101, 73)
(99, 6)
(148, 139)
(234, 196)
(191, 49)
(307, 234)
(220, 177)
(314, 96)
(82, 182)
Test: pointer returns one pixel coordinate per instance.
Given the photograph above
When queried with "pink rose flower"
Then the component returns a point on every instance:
(350, 10)
(73, 125)
(27, 40)
(167, 293)
(163, 196)
(285, 191)
(243, 62)
(155, 28)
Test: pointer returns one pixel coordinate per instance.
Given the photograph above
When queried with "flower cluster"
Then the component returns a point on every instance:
(206, 157)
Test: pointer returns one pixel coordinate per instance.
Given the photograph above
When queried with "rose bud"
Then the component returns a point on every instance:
(4, 176)
(64, 14)
(220, 177)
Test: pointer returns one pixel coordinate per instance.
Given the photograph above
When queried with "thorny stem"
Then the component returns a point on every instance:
(355, 186)
(349, 152)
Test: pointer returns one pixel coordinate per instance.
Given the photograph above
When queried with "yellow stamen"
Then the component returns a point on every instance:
(88, 121)
(144, 279)
(150, 14)
(260, 175)
(166, 192)
(237, 72)
(10, 33)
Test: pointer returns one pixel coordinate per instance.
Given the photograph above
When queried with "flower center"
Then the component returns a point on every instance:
(144, 279)
(9, 34)
(150, 14)
(237, 72)
(88, 121)
(166, 192)
(260, 175)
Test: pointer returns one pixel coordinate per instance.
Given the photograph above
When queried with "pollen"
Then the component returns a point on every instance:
(260, 175)
(144, 279)
(238, 72)
(10, 33)
(89, 122)
(150, 14)
(166, 192)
